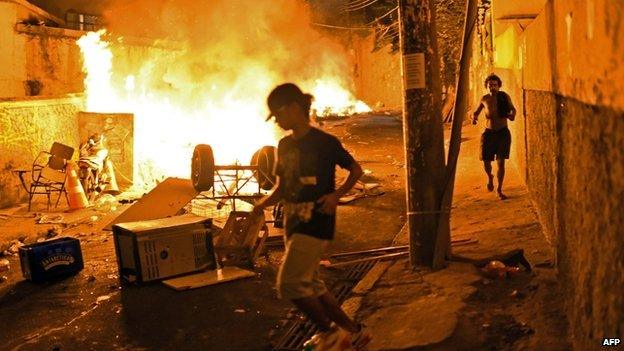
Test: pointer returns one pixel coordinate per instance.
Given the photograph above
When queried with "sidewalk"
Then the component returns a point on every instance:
(458, 308)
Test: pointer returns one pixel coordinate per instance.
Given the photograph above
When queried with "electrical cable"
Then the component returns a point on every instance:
(383, 16)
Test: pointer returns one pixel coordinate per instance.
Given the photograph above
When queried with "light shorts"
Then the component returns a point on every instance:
(298, 276)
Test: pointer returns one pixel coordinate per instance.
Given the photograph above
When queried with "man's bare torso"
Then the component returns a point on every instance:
(494, 120)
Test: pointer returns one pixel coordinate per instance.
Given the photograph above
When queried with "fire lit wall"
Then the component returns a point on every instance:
(28, 127)
(36, 60)
(378, 74)
(567, 79)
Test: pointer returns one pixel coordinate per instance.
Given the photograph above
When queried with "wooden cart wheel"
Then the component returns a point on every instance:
(202, 168)
(264, 159)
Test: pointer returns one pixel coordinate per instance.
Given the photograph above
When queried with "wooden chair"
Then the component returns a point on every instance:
(48, 173)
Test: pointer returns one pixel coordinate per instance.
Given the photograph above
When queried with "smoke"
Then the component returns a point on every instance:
(235, 49)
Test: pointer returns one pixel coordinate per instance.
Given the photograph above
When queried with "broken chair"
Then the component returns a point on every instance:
(48, 173)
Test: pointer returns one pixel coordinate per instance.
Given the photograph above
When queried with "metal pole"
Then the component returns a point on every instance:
(422, 126)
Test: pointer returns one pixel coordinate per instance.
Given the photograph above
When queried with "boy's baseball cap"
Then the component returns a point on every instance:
(282, 95)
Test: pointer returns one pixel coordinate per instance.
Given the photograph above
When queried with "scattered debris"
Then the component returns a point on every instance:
(512, 258)
(325, 263)
(50, 219)
(209, 277)
(517, 294)
(127, 201)
(505, 330)
(91, 278)
(14, 248)
(5, 265)
(380, 257)
(361, 190)
(498, 270)
(54, 231)
(371, 251)
(102, 298)
(106, 203)
(8, 216)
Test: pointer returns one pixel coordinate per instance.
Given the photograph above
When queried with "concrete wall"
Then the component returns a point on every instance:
(12, 56)
(377, 78)
(566, 76)
(36, 61)
(28, 127)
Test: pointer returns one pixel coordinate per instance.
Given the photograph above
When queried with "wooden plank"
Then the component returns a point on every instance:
(207, 278)
(442, 248)
(165, 200)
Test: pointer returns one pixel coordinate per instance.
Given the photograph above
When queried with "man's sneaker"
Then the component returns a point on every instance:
(360, 339)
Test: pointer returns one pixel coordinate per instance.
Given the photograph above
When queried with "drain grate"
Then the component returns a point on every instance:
(299, 329)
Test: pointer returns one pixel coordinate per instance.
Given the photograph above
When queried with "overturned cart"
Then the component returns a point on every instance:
(242, 238)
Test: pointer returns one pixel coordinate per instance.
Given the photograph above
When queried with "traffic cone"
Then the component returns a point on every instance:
(75, 193)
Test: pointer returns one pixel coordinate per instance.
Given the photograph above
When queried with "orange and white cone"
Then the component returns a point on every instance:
(75, 193)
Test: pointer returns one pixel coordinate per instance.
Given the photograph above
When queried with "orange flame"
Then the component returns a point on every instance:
(211, 89)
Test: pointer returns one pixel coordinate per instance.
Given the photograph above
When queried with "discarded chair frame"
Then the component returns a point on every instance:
(48, 176)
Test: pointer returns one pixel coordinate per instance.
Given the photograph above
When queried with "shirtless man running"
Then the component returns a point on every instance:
(496, 139)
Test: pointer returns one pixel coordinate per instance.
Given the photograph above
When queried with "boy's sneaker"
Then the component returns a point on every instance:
(360, 339)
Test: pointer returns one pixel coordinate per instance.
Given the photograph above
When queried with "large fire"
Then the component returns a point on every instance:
(183, 93)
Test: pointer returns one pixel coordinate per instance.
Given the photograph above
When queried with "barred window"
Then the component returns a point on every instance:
(82, 21)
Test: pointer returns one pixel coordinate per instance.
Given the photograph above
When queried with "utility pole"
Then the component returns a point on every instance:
(422, 127)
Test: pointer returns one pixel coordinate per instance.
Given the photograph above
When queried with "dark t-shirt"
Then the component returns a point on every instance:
(307, 171)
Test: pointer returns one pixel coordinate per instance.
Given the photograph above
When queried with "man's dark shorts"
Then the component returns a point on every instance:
(495, 143)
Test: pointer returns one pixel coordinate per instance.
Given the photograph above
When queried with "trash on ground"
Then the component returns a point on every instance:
(498, 270)
(209, 277)
(54, 231)
(513, 258)
(106, 203)
(102, 298)
(50, 219)
(178, 253)
(361, 190)
(5, 265)
(325, 263)
(51, 259)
